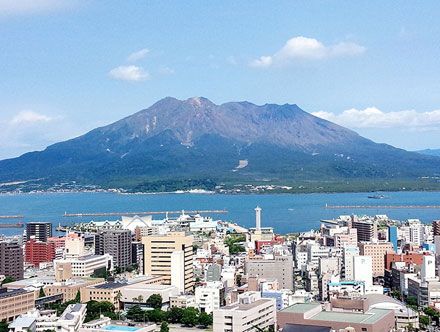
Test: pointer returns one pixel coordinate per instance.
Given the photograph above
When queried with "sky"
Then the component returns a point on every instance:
(68, 66)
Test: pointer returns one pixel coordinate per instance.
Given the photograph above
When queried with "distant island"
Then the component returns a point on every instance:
(235, 147)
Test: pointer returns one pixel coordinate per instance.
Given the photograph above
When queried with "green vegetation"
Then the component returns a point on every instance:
(101, 273)
(155, 301)
(7, 280)
(164, 327)
(424, 321)
(95, 309)
(188, 316)
(41, 294)
(233, 242)
(3, 326)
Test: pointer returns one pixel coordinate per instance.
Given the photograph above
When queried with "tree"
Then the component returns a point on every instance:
(3, 326)
(175, 314)
(424, 321)
(155, 301)
(78, 297)
(41, 294)
(136, 313)
(190, 317)
(205, 319)
(164, 327)
(412, 301)
(7, 280)
(156, 315)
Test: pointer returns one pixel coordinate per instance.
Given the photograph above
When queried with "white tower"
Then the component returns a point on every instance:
(428, 268)
(258, 218)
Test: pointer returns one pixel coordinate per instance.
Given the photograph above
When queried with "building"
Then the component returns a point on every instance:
(312, 314)
(250, 314)
(84, 266)
(278, 267)
(14, 303)
(158, 253)
(116, 243)
(366, 229)
(137, 255)
(436, 227)
(41, 230)
(11, 259)
(377, 251)
(37, 252)
(348, 252)
(183, 301)
(407, 258)
(210, 296)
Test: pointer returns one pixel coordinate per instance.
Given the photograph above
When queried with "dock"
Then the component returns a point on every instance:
(110, 214)
(327, 206)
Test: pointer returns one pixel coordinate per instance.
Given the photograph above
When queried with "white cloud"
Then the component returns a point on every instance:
(129, 73)
(29, 117)
(303, 48)
(166, 71)
(25, 7)
(139, 55)
(373, 117)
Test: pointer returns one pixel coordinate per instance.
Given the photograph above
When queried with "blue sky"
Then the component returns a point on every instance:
(69, 66)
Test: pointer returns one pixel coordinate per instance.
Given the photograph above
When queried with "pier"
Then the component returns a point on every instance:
(18, 216)
(327, 206)
(110, 214)
(17, 225)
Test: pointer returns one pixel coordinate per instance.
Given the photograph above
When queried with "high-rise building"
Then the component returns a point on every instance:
(11, 259)
(37, 252)
(392, 236)
(117, 243)
(377, 251)
(436, 227)
(362, 268)
(41, 230)
(158, 250)
(366, 229)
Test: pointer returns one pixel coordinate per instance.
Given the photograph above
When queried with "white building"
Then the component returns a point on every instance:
(178, 270)
(83, 266)
(363, 269)
(210, 296)
(250, 314)
(348, 252)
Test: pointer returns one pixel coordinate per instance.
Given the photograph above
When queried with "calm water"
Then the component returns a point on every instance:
(286, 213)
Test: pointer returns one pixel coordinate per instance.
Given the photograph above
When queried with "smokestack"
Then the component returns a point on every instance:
(258, 218)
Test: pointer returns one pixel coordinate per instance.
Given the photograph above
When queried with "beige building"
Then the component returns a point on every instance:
(70, 288)
(182, 301)
(14, 303)
(377, 251)
(83, 266)
(158, 260)
(250, 314)
(279, 267)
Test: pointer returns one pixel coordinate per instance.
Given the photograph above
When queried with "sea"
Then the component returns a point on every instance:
(286, 213)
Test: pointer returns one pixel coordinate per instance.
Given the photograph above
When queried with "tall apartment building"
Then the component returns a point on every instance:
(377, 251)
(366, 229)
(117, 243)
(37, 252)
(280, 267)
(41, 230)
(159, 258)
(210, 296)
(436, 227)
(11, 259)
(250, 314)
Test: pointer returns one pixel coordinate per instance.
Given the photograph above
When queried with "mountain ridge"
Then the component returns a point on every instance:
(197, 140)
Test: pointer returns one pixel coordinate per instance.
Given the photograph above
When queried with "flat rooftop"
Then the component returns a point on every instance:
(244, 307)
(370, 317)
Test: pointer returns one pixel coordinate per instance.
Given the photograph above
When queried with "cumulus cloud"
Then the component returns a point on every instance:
(138, 55)
(303, 48)
(29, 117)
(373, 117)
(129, 73)
(24, 7)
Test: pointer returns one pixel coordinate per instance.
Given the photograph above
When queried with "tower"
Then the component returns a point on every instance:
(258, 218)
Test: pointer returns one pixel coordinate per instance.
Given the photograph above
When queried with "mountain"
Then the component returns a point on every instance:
(176, 144)
(430, 152)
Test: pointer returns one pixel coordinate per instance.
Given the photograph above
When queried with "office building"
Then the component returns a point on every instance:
(11, 259)
(436, 227)
(84, 266)
(210, 296)
(377, 251)
(41, 230)
(250, 314)
(366, 229)
(14, 303)
(158, 260)
(407, 258)
(37, 252)
(117, 243)
(278, 267)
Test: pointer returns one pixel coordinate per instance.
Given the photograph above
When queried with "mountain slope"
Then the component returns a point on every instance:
(176, 140)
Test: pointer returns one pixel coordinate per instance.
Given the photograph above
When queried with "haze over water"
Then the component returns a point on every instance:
(285, 212)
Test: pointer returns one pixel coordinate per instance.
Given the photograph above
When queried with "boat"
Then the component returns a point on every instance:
(376, 196)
